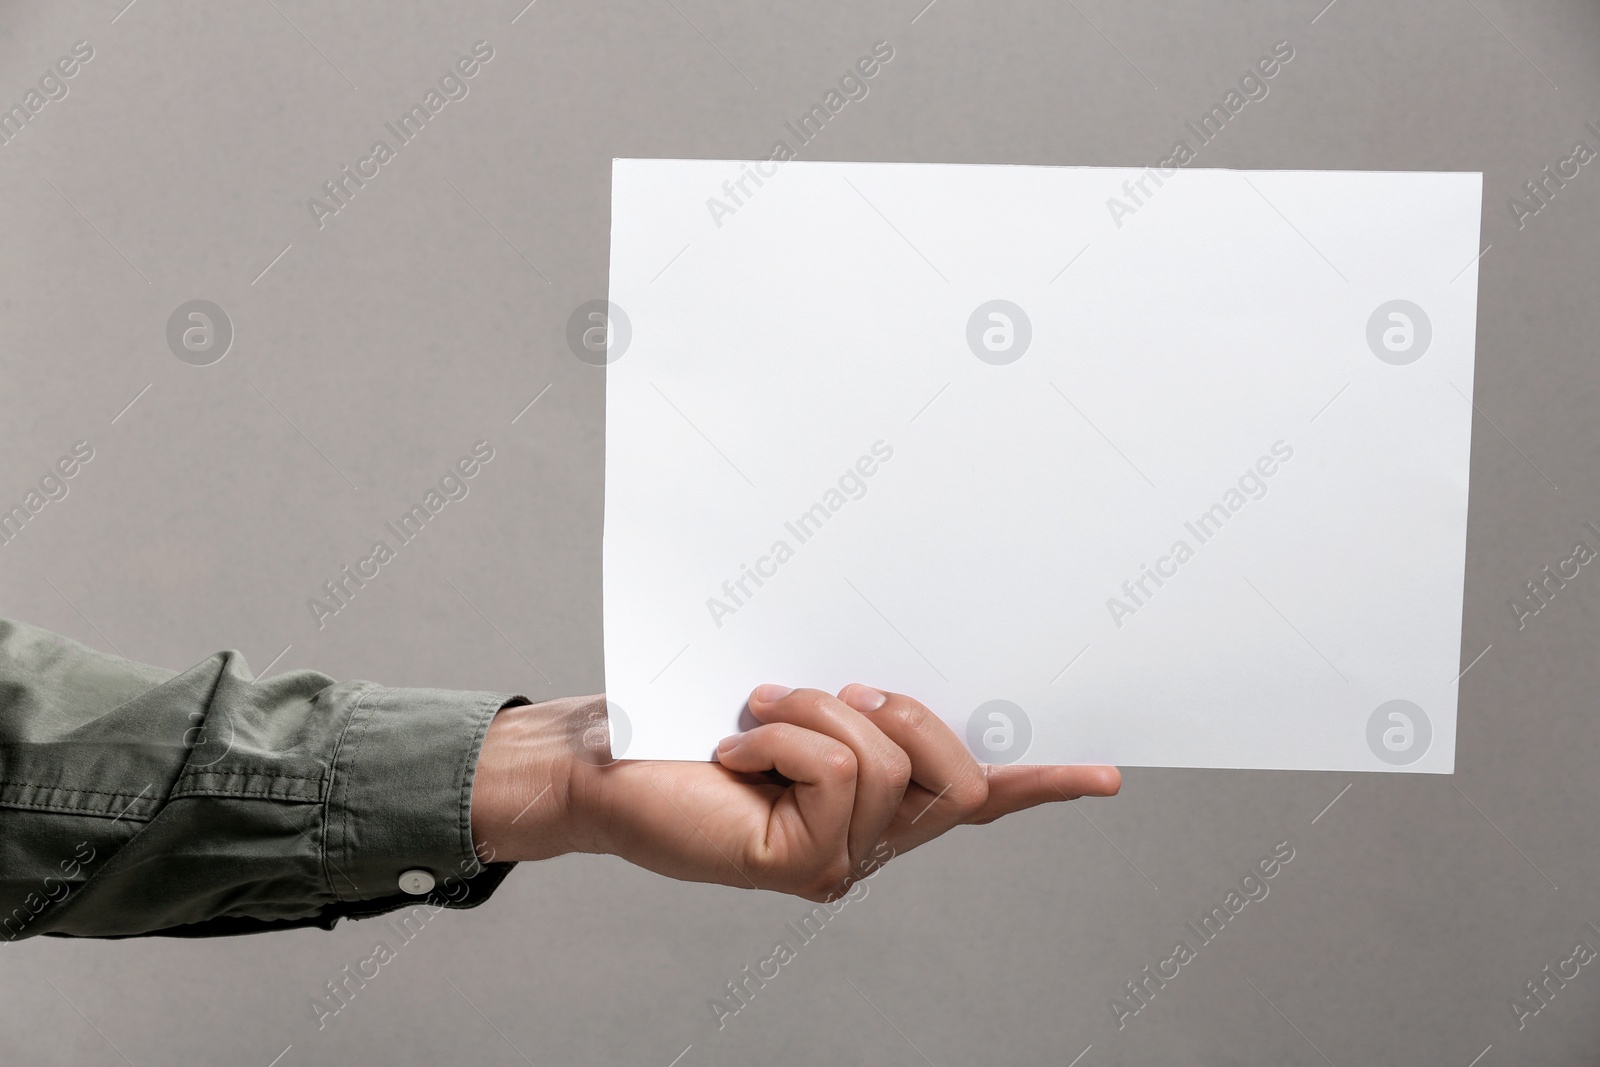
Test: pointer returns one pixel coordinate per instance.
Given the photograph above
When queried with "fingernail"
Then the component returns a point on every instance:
(864, 698)
(766, 694)
(729, 743)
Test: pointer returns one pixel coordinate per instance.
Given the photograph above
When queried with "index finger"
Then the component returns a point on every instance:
(1016, 787)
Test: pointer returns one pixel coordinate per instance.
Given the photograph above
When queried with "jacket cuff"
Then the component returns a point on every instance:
(400, 803)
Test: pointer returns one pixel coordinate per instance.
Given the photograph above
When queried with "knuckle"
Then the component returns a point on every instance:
(969, 796)
(768, 867)
(838, 763)
(910, 717)
(897, 769)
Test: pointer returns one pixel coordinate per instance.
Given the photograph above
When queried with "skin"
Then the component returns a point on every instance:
(817, 796)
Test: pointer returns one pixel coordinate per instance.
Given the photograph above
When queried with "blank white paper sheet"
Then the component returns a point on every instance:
(1103, 465)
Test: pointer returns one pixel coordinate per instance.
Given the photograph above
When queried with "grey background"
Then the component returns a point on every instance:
(417, 322)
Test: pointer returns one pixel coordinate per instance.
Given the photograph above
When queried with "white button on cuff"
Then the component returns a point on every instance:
(417, 883)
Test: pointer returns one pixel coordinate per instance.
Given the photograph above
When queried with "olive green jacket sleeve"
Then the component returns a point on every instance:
(139, 801)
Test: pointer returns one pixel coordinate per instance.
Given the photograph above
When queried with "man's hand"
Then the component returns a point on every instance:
(805, 803)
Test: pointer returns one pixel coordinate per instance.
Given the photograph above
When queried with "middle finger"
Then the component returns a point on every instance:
(883, 770)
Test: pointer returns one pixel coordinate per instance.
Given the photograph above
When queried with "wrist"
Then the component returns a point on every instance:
(588, 735)
(522, 788)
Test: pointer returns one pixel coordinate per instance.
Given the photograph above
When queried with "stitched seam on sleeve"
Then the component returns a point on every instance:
(72, 789)
(342, 788)
(249, 773)
(88, 813)
(252, 794)
(464, 801)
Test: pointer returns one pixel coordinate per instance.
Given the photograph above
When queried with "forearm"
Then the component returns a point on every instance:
(136, 801)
